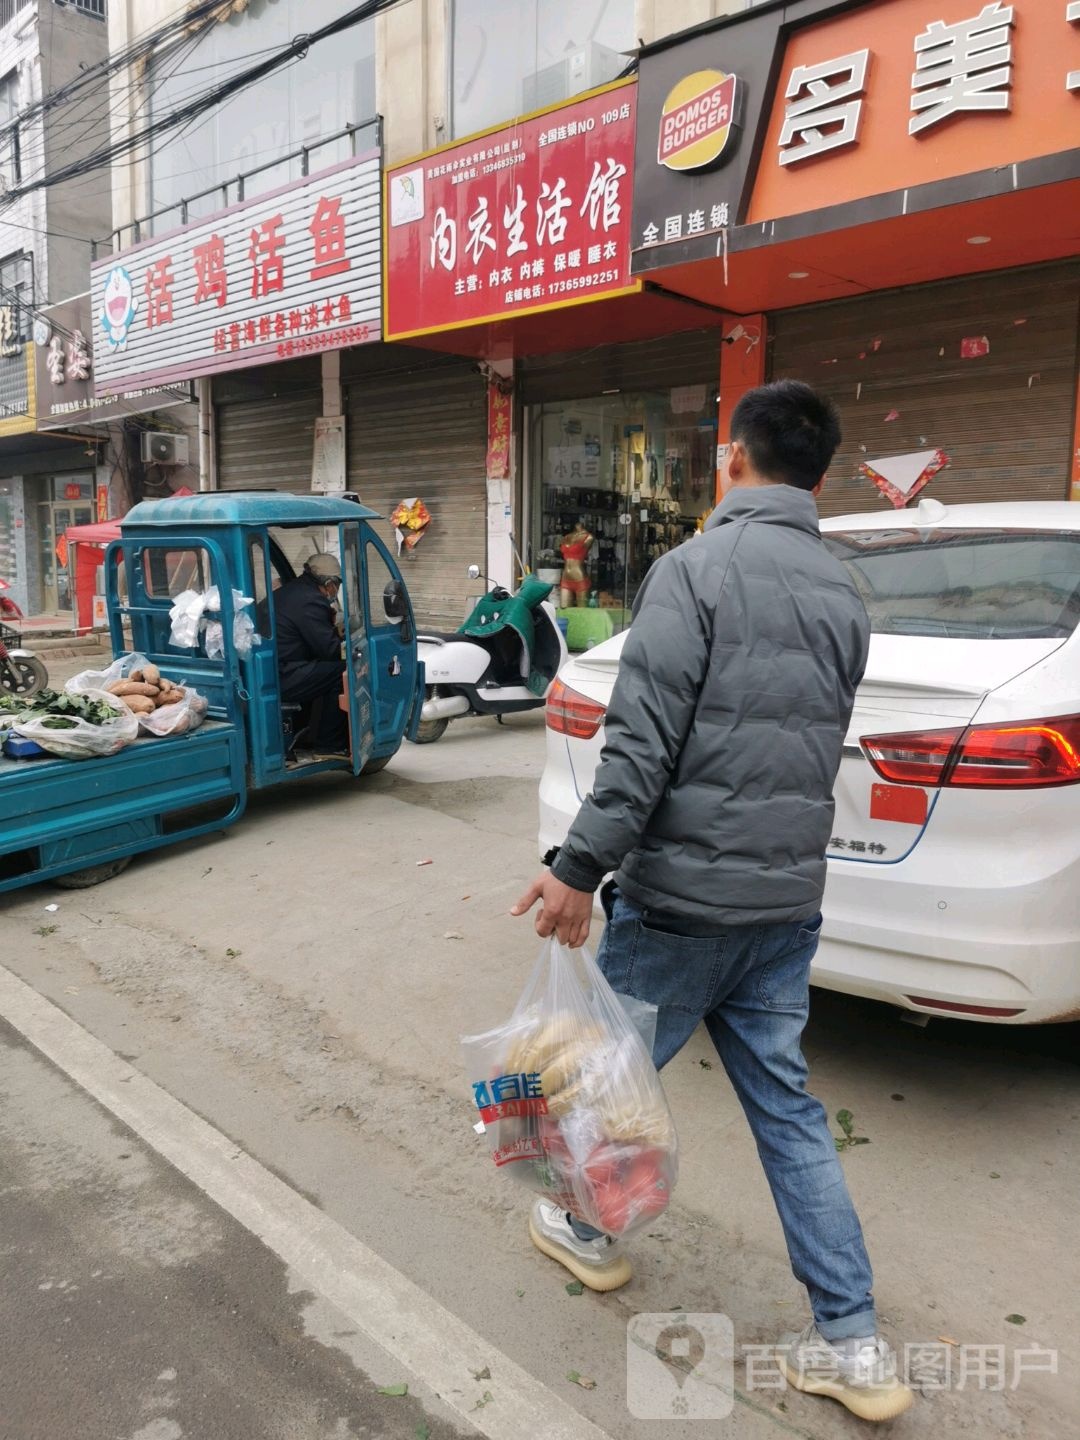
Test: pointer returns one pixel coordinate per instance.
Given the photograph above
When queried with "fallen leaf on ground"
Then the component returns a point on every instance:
(519, 1293)
(575, 1287)
(231, 953)
(1016, 1319)
(705, 1064)
(576, 1378)
(995, 1174)
(947, 1340)
(395, 1390)
(484, 1374)
(485, 1399)
(423, 1431)
(453, 935)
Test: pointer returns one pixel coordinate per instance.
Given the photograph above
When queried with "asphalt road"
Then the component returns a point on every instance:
(301, 983)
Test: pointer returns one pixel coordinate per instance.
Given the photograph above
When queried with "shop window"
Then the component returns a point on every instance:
(622, 479)
(331, 87)
(510, 57)
(16, 301)
(168, 573)
(10, 147)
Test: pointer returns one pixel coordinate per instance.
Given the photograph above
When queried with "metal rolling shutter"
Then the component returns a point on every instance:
(690, 358)
(265, 422)
(417, 426)
(1005, 419)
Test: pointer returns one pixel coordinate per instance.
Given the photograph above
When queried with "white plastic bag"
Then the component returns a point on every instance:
(79, 740)
(571, 1100)
(101, 679)
(245, 637)
(188, 714)
(187, 618)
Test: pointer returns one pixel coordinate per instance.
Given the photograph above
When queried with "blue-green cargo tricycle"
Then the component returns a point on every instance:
(80, 821)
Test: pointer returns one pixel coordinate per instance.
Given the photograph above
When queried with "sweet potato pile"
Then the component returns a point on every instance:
(146, 690)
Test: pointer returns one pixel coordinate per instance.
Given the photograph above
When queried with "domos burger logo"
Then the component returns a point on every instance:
(696, 121)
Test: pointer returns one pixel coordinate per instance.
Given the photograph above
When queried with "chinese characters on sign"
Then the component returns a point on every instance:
(286, 274)
(524, 219)
(500, 403)
(966, 66)
(825, 104)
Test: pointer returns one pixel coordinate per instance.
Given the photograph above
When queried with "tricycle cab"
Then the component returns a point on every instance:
(248, 545)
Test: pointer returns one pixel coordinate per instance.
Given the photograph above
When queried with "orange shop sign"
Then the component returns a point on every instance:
(697, 120)
(945, 88)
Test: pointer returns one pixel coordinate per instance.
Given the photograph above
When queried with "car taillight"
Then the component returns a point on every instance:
(572, 714)
(1021, 756)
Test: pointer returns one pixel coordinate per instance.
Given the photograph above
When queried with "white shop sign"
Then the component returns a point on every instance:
(288, 274)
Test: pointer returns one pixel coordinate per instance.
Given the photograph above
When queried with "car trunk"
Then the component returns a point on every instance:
(912, 683)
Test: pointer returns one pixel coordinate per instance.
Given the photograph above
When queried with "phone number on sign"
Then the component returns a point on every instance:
(583, 282)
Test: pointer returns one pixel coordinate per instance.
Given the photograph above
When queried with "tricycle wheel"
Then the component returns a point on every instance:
(430, 731)
(23, 675)
(374, 766)
(93, 874)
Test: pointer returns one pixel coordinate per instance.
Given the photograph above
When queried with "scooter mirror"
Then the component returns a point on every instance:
(474, 572)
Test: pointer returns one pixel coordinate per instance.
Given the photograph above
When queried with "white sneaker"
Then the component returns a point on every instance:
(860, 1373)
(596, 1263)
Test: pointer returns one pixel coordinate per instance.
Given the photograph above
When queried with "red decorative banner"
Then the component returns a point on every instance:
(527, 218)
(498, 448)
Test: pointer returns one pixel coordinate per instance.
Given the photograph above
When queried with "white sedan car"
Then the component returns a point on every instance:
(954, 864)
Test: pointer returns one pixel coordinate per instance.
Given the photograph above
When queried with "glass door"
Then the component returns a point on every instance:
(54, 518)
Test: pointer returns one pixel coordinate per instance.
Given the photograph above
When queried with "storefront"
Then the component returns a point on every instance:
(621, 446)
(513, 248)
(935, 299)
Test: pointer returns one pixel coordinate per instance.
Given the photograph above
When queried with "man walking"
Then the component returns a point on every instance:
(713, 805)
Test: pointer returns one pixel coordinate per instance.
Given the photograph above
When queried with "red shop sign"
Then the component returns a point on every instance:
(72, 492)
(527, 218)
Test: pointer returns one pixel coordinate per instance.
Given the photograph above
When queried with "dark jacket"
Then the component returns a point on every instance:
(306, 627)
(725, 730)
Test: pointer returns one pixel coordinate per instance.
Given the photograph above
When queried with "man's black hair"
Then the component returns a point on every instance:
(790, 432)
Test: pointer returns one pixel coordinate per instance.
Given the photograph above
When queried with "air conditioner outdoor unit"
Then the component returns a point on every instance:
(161, 447)
(581, 69)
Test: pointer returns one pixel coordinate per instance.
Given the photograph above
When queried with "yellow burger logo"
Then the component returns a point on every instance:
(696, 120)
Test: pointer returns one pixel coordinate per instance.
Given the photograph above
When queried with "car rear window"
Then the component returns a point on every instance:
(965, 584)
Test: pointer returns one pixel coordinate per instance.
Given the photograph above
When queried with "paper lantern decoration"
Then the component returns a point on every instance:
(410, 521)
(901, 477)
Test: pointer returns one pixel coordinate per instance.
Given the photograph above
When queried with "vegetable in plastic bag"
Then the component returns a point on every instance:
(187, 714)
(79, 738)
(571, 1100)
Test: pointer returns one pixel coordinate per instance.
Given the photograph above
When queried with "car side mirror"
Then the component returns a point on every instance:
(394, 601)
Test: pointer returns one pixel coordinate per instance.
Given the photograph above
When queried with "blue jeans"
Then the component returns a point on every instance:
(750, 985)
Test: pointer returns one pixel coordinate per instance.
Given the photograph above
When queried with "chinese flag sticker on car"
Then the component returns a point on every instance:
(906, 804)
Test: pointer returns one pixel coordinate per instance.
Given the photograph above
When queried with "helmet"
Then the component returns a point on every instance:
(324, 568)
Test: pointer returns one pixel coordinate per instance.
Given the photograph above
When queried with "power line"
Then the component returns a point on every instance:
(296, 49)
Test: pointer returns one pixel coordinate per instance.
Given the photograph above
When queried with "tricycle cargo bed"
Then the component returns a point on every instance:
(59, 816)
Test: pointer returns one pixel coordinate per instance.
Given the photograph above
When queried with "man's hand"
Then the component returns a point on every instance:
(564, 911)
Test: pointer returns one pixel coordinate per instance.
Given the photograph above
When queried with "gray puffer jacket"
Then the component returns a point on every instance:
(714, 798)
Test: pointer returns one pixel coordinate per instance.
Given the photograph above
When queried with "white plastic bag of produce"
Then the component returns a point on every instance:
(571, 1101)
(187, 714)
(73, 738)
(102, 679)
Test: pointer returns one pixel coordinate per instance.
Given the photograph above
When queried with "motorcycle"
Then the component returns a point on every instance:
(21, 672)
(8, 608)
(502, 661)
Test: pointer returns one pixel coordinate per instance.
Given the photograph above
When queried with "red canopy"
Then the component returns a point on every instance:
(102, 533)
